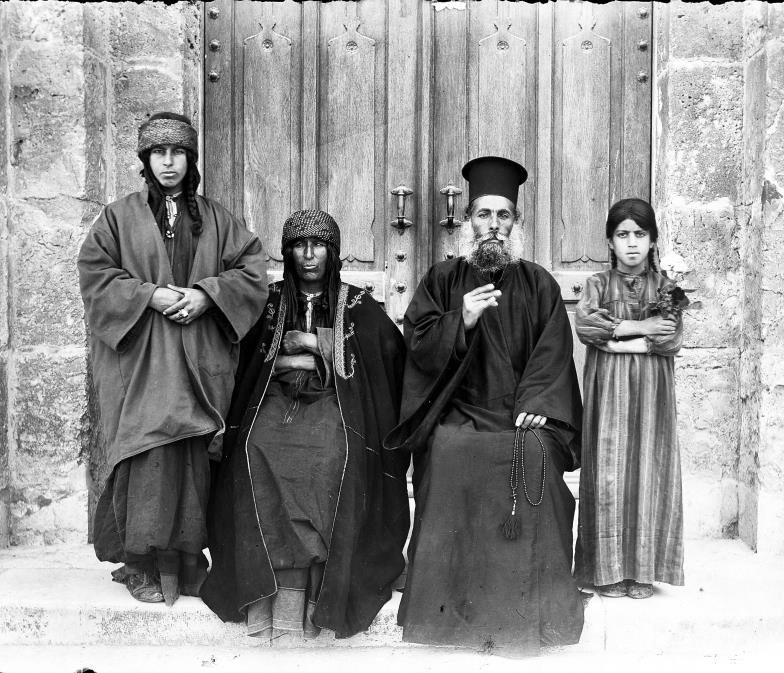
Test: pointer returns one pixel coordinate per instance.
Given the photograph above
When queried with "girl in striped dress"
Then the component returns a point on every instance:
(631, 515)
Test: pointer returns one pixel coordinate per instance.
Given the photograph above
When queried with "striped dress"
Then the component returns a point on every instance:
(631, 511)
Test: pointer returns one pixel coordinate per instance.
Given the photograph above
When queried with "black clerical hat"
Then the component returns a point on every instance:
(494, 175)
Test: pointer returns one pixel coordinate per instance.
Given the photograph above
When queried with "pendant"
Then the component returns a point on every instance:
(169, 233)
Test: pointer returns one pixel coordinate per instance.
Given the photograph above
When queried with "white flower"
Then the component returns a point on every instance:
(673, 264)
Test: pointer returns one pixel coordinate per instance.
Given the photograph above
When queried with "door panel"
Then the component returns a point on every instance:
(334, 105)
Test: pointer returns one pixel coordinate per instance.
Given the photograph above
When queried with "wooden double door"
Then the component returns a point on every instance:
(369, 109)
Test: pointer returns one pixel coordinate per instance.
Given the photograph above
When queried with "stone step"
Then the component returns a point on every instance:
(61, 596)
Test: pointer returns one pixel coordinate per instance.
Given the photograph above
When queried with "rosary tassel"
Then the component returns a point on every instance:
(512, 525)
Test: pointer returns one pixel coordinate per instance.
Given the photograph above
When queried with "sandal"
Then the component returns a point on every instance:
(617, 590)
(639, 590)
(144, 588)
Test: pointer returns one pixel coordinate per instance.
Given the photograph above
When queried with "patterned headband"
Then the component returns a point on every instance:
(167, 132)
(310, 224)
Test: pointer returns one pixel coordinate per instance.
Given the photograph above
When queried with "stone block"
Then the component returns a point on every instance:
(3, 276)
(706, 381)
(147, 32)
(47, 120)
(748, 514)
(771, 446)
(755, 27)
(48, 499)
(45, 21)
(707, 239)
(710, 507)
(775, 19)
(705, 131)
(45, 247)
(45, 520)
(5, 469)
(704, 30)
(773, 317)
(770, 524)
(49, 407)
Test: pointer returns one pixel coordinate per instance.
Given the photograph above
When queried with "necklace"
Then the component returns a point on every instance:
(171, 214)
(309, 298)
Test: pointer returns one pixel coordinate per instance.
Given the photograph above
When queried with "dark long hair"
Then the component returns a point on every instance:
(643, 216)
(157, 199)
(331, 282)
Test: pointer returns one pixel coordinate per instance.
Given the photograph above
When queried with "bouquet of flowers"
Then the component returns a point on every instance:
(671, 299)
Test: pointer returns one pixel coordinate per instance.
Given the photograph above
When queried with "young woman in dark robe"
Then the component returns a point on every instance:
(308, 515)
(170, 281)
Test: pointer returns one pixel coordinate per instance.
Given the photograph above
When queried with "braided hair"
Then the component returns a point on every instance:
(156, 198)
(642, 214)
(331, 281)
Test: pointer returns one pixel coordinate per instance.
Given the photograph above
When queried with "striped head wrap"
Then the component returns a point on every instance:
(167, 132)
(310, 224)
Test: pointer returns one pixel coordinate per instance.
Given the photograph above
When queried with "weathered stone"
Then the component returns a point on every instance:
(771, 455)
(755, 27)
(47, 116)
(706, 387)
(706, 237)
(48, 499)
(42, 520)
(771, 521)
(705, 30)
(49, 405)
(192, 62)
(706, 119)
(775, 21)
(709, 506)
(46, 243)
(45, 21)
(3, 275)
(147, 36)
(5, 465)
(97, 87)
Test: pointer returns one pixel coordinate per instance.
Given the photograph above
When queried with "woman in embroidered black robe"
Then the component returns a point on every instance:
(308, 516)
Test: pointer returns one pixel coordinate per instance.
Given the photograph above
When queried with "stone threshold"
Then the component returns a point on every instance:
(733, 604)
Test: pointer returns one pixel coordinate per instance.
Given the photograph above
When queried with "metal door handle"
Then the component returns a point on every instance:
(450, 191)
(400, 222)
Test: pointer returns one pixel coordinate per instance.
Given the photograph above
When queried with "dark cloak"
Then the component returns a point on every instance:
(372, 517)
(467, 584)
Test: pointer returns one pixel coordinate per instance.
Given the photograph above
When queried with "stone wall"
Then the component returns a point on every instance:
(715, 192)
(75, 82)
(77, 79)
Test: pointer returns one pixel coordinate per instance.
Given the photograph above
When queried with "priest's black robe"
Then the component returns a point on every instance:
(371, 520)
(463, 390)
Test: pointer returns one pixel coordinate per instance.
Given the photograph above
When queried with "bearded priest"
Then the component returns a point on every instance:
(492, 412)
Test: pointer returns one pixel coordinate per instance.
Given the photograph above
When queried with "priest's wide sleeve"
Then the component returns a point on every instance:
(549, 385)
(434, 331)
(114, 301)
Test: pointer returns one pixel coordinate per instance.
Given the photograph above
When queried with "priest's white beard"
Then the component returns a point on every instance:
(492, 252)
